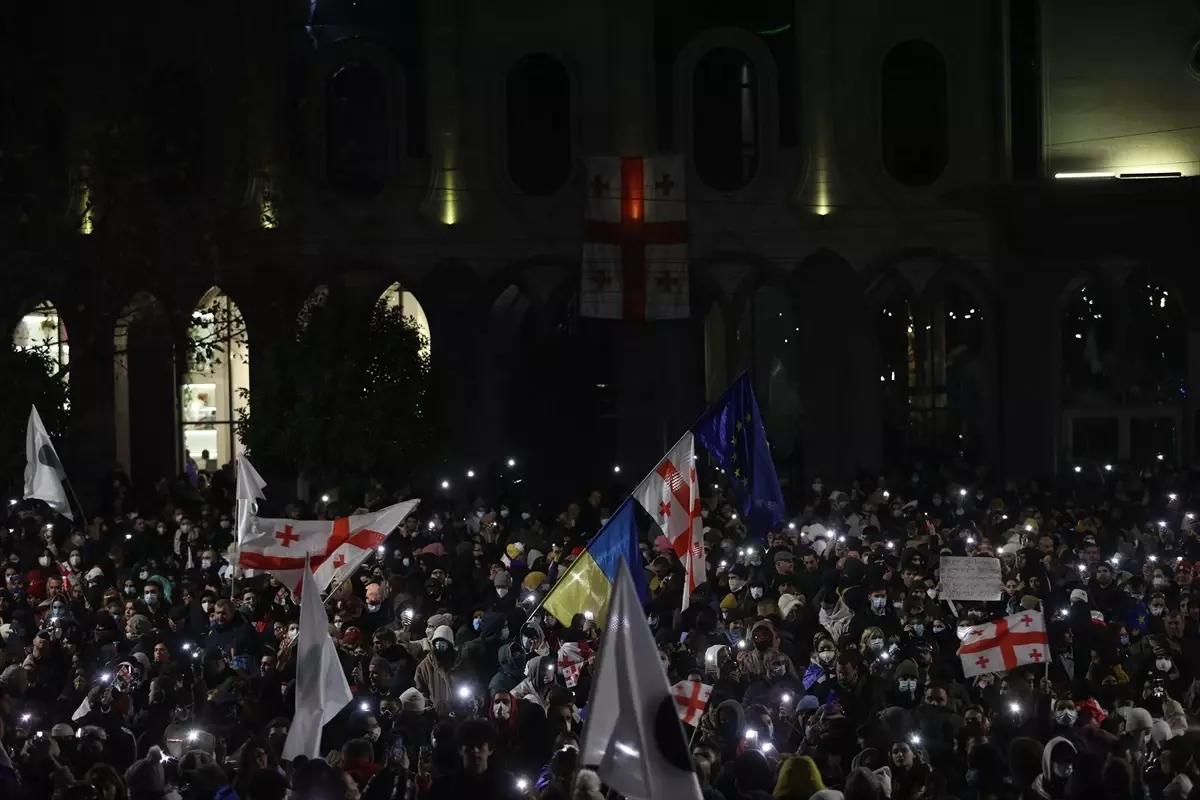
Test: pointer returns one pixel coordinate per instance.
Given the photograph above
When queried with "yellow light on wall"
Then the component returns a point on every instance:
(87, 219)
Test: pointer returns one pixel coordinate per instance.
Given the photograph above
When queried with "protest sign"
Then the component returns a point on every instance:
(969, 578)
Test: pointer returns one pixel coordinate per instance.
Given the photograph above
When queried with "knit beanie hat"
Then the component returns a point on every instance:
(444, 632)
(146, 778)
(798, 777)
(908, 669)
(140, 625)
(787, 602)
(412, 700)
(502, 580)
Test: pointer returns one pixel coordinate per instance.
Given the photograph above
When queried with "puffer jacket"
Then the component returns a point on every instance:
(753, 663)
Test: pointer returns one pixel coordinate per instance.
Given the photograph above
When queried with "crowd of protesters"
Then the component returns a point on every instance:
(137, 665)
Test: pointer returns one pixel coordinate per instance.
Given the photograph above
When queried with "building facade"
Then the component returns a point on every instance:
(877, 231)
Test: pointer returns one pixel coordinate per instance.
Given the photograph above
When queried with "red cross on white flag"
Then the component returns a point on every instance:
(691, 698)
(635, 240)
(671, 496)
(1004, 644)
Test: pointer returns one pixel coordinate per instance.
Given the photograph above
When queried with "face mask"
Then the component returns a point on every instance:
(736, 584)
(144, 574)
(826, 657)
(501, 710)
(1159, 582)
(939, 629)
(542, 649)
(1158, 611)
(779, 670)
(130, 590)
(875, 644)
(1062, 770)
(406, 561)
(525, 515)
(44, 560)
(1124, 640)
(918, 629)
(931, 593)
(373, 607)
(908, 685)
(477, 623)
(878, 603)
(373, 733)
(898, 604)
(225, 524)
(479, 514)
(1066, 717)
(206, 563)
(504, 513)
(150, 599)
(734, 635)
(704, 513)
(756, 593)
(1163, 664)
(756, 560)
(75, 561)
(206, 606)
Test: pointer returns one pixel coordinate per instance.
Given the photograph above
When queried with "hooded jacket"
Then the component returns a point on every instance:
(754, 663)
(837, 621)
(1042, 783)
(433, 679)
(511, 659)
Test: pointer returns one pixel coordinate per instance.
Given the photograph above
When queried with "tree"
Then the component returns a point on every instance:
(29, 380)
(346, 400)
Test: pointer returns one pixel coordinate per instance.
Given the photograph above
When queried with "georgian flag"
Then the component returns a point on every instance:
(1005, 644)
(670, 494)
(571, 658)
(691, 698)
(336, 548)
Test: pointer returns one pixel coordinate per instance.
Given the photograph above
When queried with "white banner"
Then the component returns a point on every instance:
(965, 578)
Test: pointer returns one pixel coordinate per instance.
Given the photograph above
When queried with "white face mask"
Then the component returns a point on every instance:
(875, 644)
(826, 657)
(756, 593)
(479, 514)
(44, 560)
(373, 733)
(501, 710)
(1159, 582)
(206, 606)
(504, 513)
(75, 561)
(205, 563)
(501, 591)
(1067, 716)
(524, 515)
(1163, 664)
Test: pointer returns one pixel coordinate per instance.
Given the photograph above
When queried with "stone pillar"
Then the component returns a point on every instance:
(1029, 379)
(447, 201)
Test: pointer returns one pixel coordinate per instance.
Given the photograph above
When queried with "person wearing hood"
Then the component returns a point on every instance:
(434, 677)
(763, 660)
(905, 690)
(482, 652)
(835, 615)
(501, 598)
(511, 657)
(1058, 762)
(728, 726)
(820, 677)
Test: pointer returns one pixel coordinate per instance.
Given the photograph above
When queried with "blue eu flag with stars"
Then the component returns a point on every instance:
(732, 431)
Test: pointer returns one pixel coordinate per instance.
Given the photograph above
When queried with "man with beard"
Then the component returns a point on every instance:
(859, 694)
(434, 676)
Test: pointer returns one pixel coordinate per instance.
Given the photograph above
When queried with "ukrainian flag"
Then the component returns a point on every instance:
(587, 584)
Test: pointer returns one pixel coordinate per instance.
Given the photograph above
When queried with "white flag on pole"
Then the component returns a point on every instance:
(632, 735)
(321, 687)
(43, 471)
(250, 487)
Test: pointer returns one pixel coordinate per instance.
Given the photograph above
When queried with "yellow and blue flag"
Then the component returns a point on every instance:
(732, 431)
(587, 584)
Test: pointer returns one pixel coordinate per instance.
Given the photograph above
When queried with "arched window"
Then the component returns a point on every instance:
(217, 382)
(1157, 342)
(175, 131)
(769, 345)
(357, 143)
(43, 331)
(1086, 331)
(396, 297)
(725, 134)
(538, 124)
(914, 113)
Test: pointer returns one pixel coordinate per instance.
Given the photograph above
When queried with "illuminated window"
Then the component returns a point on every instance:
(914, 117)
(1086, 345)
(1156, 332)
(396, 297)
(725, 135)
(538, 109)
(43, 331)
(357, 151)
(217, 381)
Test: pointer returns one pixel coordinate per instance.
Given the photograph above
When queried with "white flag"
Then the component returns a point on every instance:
(43, 471)
(670, 494)
(321, 687)
(632, 735)
(249, 489)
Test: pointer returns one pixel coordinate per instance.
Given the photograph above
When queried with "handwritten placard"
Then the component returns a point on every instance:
(969, 578)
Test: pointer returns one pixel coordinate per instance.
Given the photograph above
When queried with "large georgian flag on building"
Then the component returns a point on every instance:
(1005, 644)
(670, 494)
(336, 548)
(635, 240)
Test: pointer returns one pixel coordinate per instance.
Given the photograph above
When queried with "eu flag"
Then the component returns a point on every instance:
(732, 432)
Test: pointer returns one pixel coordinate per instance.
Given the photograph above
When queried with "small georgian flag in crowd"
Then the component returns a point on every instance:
(691, 698)
(572, 656)
(1005, 644)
